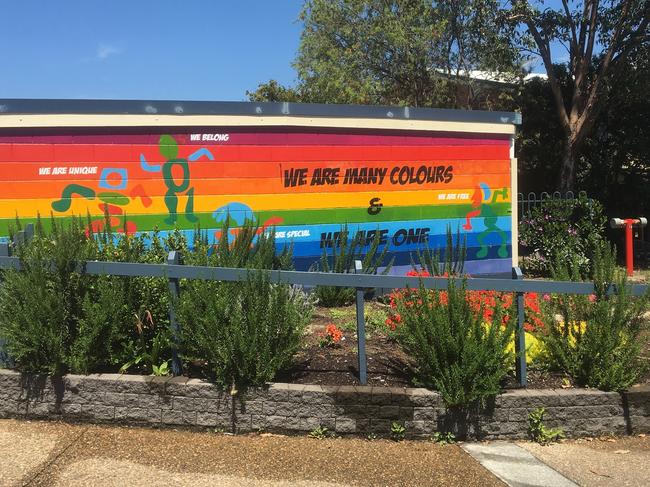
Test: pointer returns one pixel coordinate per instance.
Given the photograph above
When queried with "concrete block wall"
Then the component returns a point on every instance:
(162, 401)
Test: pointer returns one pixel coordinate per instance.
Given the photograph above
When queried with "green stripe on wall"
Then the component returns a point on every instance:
(294, 217)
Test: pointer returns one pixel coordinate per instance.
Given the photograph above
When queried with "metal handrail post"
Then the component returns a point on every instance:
(361, 330)
(174, 258)
(520, 333)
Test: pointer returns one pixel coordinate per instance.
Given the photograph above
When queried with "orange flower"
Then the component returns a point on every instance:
(333, 332)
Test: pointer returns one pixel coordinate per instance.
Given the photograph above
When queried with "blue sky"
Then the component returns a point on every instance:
(145, 49)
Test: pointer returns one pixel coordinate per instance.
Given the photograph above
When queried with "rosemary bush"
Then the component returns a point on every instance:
(456, 351)
(42, 304)
(247, 246)
(596, 339)
(246, 331)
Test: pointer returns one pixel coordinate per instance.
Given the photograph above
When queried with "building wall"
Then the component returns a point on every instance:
(305, 181)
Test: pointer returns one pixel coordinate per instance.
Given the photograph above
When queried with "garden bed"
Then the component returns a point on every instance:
(387, 364)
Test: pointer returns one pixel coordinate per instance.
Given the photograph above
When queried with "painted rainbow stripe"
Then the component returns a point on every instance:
(303, 183)
(296, 217)
(133, 204)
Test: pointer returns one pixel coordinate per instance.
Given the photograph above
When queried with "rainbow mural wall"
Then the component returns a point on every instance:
(302, 177)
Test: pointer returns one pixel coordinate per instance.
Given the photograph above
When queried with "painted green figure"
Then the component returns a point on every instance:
(169, 150)
(490, 222)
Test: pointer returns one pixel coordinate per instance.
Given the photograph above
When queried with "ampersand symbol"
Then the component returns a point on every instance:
(375, 206)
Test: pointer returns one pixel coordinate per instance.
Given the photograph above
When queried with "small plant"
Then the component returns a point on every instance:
(148, 354)
(319, 433)
(397, 431)
(371, 436)
(331, 337)
(443, 438)
(161, 370)
(539, 432)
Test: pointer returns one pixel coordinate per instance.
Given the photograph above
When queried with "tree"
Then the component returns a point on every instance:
(598, 37)
(274, 91)
(538, 153)
(401, 52)
(615, 159)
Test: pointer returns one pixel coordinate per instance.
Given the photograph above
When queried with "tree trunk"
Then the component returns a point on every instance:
(568, 168)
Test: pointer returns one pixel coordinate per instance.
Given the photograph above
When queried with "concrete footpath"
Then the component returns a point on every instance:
(39, 453)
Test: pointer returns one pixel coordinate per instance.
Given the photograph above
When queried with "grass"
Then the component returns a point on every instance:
(345, 317)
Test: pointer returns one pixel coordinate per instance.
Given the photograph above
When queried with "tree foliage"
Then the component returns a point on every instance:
(413, 52)
(613, 162)
(272, 91)
(599, 38)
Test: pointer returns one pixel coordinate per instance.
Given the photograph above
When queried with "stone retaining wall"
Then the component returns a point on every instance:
(158, 401)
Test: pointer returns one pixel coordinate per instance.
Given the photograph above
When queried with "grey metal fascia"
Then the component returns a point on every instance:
(169, 107)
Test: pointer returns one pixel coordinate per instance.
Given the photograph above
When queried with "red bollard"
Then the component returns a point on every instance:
(629, 249)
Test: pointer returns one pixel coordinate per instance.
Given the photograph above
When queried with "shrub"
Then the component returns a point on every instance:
(100, 327)
(41, 305)
(344, 252)
(139, 315)
(246, 331)
(485, 302)
(561, 229)
(456, 351)
(596, 339)
(57, 319)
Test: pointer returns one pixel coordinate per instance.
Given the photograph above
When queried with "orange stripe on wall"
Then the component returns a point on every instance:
(224, 186)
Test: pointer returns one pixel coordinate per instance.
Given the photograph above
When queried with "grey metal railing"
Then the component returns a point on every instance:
(526, 202)
(174, 270)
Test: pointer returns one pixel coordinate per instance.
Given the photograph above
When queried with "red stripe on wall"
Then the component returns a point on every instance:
(56, 153)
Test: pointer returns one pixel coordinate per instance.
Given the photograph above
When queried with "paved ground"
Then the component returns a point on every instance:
(515, 465)
(58, 455)
(54, 454)
(605, 462)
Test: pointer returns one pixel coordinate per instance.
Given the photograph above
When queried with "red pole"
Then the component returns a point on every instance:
(629, 252)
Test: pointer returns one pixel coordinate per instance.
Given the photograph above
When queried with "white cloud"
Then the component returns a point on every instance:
(530, 63)
(106, 50)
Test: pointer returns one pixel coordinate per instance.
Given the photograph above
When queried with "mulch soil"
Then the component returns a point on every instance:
(147, 457)
(387, 365)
